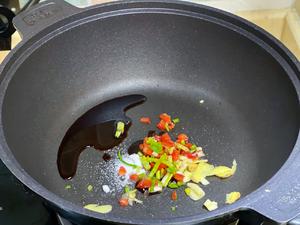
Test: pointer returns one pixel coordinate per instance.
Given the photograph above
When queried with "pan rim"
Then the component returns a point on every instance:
(26, 179)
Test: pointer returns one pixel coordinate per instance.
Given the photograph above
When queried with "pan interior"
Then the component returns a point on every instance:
(250, 111)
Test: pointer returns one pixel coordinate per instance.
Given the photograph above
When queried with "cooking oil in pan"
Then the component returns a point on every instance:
(96, 128)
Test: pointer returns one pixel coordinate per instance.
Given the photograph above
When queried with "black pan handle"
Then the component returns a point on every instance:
(6, 27)
(38, 17)
(280, 199)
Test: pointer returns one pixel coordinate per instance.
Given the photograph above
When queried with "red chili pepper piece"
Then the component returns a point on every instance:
(189, 145)
(141, 146)
(123, 202)
(190, 155)
(165, 137)
(145, 120)
(122, 171)
(175, 155)
(165, 123)
(162, 166)
(144, 183)
(161, 125)
(134, 177)
(178, 177)
(166, 140)
(165, 117)
(182, 137)
(174, 195)
(147, 150)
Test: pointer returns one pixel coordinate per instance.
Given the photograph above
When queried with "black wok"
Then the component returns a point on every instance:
(175, 54)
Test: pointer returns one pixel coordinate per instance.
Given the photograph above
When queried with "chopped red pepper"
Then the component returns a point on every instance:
(174, 195)
(165, 137)
(141, 146)
(147, 150)
(123, 202)
(189, 145)
(165, 117)
(162, 166)
(190, 155)
(164, 126)
(145, 120)
(165, 123)
(171, 126)
(175, 155)
(161, 125)
(178, 177)
(166, 140)
(122, 171)
(182, 137)
(144, 183)
(134, 177)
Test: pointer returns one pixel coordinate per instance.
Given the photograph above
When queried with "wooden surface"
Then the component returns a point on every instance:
(271, 20)
(15, 40)
(284, 24)
(291, 33)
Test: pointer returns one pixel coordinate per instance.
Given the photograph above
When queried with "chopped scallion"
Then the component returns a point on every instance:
(124, 162)
(176, 120)
(89, 187)
(120, 129)
(68, 186)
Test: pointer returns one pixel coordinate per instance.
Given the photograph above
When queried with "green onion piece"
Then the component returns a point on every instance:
(157, 175)
(167, 127)
(118, 134)
(68, 186)
(180, 183)
(120, 126)
(194, 148)
(173, 185)
(173, 208)
(151, 159)
(166, 179)
(169, 164)
(159, 183)
(152, 185)
(120, 129)
(171, 169)
(176, 120)
(141, 176)
(145, 163)
(126, 189)
(126, 163)
(154, 145)
(162, 172)
(188, 191)
(155, 167)
(182, 147)
(89, 187)
(98, 208)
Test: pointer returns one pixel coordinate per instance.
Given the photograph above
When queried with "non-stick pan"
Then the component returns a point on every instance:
(175, 54)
